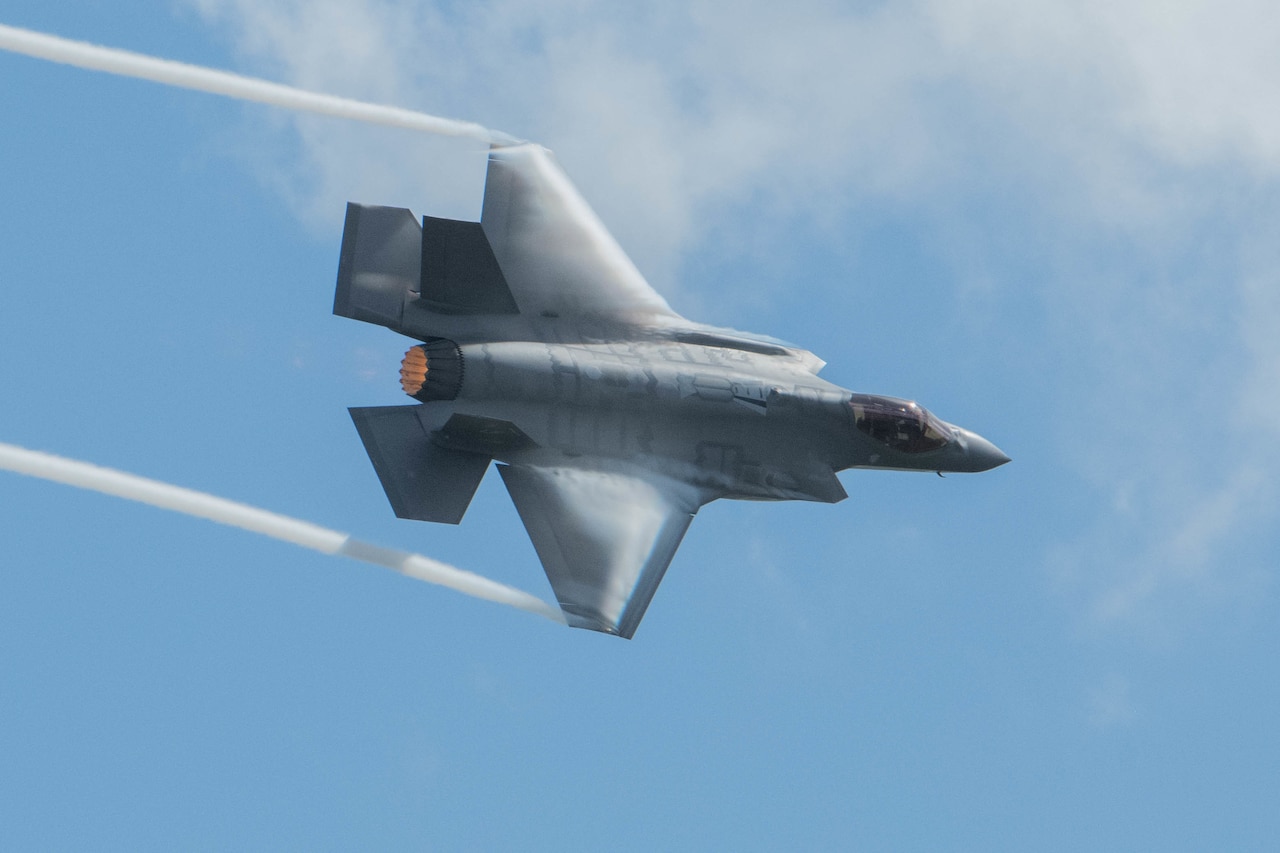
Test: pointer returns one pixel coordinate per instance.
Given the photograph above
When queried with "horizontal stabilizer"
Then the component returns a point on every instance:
(423, 480)
(459, 272)
(379, 265)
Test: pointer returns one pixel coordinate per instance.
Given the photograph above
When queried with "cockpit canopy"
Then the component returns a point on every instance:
(903, 425)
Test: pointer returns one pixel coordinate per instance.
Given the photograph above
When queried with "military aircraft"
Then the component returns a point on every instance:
(613, 419)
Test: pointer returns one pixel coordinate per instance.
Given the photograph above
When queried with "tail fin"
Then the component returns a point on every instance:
(380, 265)
(388, 261)
(423, 480)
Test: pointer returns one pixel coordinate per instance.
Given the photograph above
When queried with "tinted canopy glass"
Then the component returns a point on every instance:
(903, 425)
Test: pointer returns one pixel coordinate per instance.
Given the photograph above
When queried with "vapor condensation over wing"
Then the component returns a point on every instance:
(190, 502)
(129, 64)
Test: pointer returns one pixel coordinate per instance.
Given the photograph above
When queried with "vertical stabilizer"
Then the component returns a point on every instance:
(380, 265)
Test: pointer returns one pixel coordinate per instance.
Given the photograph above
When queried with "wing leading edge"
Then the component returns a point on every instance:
(557, 256)
(605, 537)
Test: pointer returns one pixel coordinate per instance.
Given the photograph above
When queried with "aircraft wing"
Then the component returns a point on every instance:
(605, 537)
(556, 255)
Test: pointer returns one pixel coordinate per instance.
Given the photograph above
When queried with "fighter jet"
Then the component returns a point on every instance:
(612, 418)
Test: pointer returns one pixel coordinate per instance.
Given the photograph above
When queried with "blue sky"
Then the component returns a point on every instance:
(1056, 227)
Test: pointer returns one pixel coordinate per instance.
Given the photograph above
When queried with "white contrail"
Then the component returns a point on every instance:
(131, 487)
(129, 64)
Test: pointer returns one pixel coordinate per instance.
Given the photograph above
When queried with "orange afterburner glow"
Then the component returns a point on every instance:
(413, 371)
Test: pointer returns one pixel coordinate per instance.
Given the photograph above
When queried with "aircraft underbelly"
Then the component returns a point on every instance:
(730, 436)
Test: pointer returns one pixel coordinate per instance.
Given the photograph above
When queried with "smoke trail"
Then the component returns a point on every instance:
(131, 487)
(129, 64)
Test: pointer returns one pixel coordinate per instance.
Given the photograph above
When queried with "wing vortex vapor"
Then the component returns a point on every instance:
(109, 481)
(129, 64)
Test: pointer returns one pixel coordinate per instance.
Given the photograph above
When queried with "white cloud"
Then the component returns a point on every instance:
(658, 115)
(809, 107)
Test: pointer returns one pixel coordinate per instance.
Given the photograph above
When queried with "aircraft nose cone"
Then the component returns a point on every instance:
(981, 454)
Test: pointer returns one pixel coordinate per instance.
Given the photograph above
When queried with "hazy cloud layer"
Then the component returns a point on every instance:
(814, 100)
(1133, 145)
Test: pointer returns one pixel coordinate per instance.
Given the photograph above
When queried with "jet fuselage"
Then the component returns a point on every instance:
(736, 423)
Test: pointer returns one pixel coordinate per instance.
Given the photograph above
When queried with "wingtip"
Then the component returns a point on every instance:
(499, 139)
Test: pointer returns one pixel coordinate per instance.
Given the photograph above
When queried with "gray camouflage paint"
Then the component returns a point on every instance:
(612, 417)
